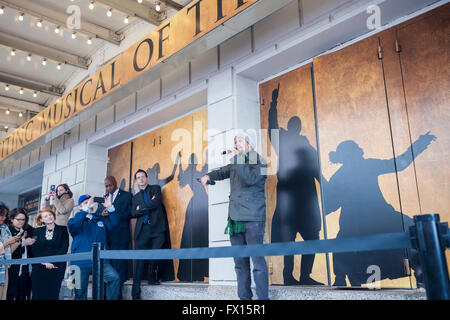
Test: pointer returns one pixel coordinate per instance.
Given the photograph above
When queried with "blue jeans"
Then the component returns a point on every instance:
(254, 234)
(110, 277)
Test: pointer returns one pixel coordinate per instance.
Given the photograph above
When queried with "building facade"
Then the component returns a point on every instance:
(347, 100)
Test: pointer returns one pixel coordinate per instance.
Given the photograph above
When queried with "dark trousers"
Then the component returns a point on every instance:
(146, 240)
(121, 266)
(254, 234)
(45, 283)
(110, 278)
(19, 287)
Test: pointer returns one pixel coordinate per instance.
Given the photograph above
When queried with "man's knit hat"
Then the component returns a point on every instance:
(247, 137)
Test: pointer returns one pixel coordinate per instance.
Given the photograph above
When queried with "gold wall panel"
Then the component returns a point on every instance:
(288, 219)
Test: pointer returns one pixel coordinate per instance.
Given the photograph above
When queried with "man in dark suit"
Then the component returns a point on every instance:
(151, 226)
(120, 237)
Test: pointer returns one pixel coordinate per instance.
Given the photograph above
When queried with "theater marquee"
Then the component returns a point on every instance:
(188, 25)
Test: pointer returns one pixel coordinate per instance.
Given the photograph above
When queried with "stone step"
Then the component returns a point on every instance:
(205, 291)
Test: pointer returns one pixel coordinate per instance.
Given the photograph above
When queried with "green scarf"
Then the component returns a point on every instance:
(234, 227)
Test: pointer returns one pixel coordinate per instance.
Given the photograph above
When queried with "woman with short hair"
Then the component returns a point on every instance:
(19, 280)
(62, 203)
(51, 240)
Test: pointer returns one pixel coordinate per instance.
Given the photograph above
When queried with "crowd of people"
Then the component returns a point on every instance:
(106, 220)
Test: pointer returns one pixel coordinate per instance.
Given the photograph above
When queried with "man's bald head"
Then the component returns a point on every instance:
(110, 184)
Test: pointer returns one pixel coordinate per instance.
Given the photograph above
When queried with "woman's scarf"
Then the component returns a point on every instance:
(5, 234)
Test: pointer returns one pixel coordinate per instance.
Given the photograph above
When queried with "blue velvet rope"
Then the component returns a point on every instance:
(59, 258)
(388, 241)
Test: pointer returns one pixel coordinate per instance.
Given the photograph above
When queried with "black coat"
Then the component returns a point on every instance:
(57, 246)
(46, 283)
(153, 208)
(19, 288)
(122, 205)
(17, 254)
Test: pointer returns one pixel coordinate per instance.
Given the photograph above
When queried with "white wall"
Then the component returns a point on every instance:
(11, 200)
(81, 166)
(232, 104)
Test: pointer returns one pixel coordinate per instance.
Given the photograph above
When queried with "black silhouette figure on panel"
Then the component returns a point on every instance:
(195, 230)
(153, 175)
(123, 184)
(354, 188)
(165, 268)
(297, 208)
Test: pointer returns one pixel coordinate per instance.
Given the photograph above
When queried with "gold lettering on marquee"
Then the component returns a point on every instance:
(189, 24)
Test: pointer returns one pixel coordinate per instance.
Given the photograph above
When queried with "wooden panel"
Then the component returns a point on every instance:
(292, 195)
(425, 66)
(200, 209)
(157, 153)
(120, 166)
(357, 159)
(409, 203)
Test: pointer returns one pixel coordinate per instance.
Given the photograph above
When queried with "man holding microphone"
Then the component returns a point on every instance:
(246, 212)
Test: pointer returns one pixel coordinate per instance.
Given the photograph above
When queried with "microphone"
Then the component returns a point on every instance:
(211, 182)
(228, 151)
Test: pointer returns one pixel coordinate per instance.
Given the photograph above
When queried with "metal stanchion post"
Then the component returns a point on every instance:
(97, 272)
(431, 238)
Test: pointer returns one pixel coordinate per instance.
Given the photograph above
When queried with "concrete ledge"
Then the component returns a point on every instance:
(200, 291)
(204, 291)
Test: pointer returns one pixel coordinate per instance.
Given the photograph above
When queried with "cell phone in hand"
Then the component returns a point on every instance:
(52, 187)
(99, 199)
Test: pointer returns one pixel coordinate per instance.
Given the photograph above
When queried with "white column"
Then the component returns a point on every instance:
(232, 104)
(81, 166)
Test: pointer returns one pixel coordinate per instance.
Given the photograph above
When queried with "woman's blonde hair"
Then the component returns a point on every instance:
(39, 215)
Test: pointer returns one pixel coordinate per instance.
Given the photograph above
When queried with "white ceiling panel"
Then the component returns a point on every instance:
(26, 37)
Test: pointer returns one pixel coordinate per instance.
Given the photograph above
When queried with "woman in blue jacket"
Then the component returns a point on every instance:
(86, 228)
